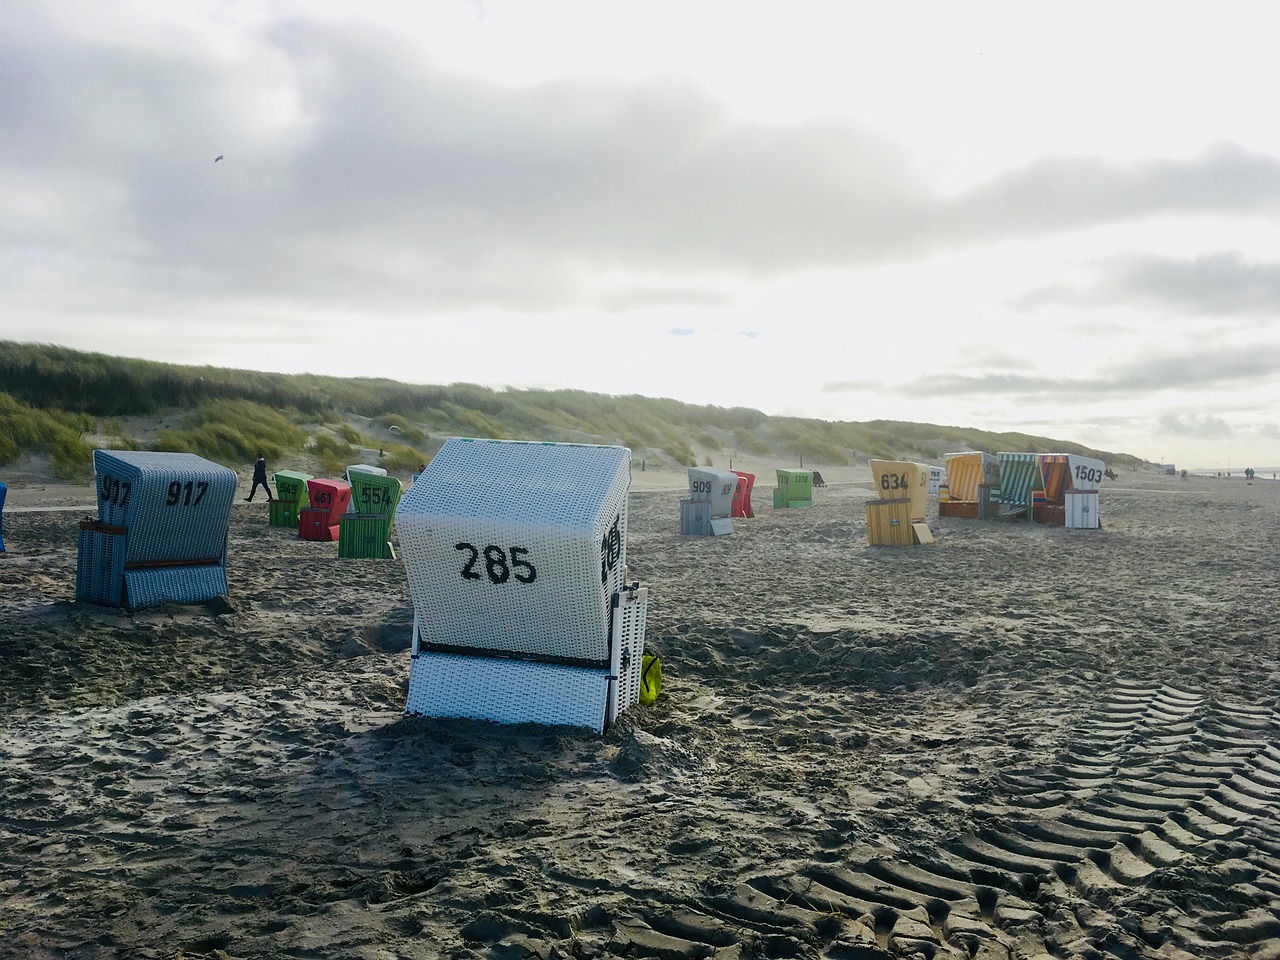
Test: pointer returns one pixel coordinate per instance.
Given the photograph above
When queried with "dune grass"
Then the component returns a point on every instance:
(230, 415)
(54, 433)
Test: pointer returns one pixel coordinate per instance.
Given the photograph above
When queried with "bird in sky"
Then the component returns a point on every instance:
(217, 158)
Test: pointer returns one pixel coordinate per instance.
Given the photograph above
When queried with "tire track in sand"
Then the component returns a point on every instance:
(1154, 832)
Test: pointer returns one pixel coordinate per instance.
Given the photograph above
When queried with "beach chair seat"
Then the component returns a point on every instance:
(313, 524)
(365, 536)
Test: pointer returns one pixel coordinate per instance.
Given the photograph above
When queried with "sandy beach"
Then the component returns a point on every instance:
(1017, 742)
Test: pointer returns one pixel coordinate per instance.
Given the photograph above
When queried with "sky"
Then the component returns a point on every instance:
(1057, 219)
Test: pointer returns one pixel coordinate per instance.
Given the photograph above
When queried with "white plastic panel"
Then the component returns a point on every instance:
(1085, 473)
(1081, 511)
(518, 547)
(936, 476)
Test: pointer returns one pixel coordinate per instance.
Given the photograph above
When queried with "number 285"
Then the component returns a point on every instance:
(497, 566)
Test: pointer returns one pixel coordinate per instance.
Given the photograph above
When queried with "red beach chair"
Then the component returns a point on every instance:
(742, 495)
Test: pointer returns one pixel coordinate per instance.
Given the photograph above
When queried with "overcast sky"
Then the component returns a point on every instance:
(1060, 219)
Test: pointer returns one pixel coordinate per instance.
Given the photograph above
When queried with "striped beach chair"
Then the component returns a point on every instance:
(516, 559)
(1020, 480)
(971, 477)
(1069, 485)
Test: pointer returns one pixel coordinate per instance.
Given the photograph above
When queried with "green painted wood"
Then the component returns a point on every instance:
(795, 489)
(291, 487)
(364, 536)
(373, 493)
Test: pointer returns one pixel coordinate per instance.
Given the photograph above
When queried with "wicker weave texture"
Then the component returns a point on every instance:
(100, 566)
(507, 691)
(191, 584)
(282, 513)
(518, 547)
(313, 524)
(176, 506)
(364, 536)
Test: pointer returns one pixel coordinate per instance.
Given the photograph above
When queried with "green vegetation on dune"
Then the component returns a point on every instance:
(54, 433)
(233, 431)
(230, 415)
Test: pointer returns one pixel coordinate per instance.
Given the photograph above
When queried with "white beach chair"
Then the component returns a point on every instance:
(516, 559)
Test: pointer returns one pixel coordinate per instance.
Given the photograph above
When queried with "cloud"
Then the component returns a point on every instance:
(1199, 427)
(358, 175)
(682, 331)
(1234, 365)
(1220, 284)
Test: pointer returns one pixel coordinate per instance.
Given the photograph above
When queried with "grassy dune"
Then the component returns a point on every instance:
(59, 403)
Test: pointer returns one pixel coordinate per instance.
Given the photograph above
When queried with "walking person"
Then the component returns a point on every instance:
(259, 477)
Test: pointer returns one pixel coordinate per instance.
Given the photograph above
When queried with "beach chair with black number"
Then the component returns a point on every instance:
(364, 531)
(897, 517)
(328, 501)
(516, 559)
(291, 497)
(1069, 491)
(161, 531)
(708, 510)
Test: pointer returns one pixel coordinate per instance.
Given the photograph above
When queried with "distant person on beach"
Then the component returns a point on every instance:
(259, 477)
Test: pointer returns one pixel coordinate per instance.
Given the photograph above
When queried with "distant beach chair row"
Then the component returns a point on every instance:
(515, 555)
(1053, 488)
(718, 497)
(357, 512)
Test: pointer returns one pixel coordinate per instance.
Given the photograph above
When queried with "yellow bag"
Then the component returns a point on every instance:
(650, 678)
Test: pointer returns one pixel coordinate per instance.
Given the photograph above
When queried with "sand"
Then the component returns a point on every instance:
(1017, 742)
